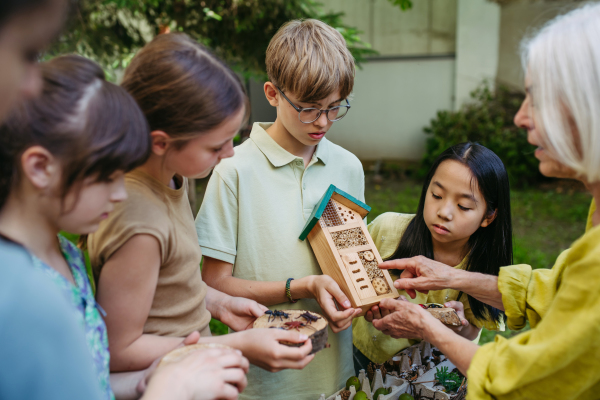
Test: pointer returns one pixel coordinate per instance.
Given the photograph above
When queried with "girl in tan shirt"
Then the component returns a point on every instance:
(146, 256)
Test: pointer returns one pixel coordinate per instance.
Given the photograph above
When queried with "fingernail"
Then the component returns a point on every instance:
(303, 337)
(347, 303)
(446, 304)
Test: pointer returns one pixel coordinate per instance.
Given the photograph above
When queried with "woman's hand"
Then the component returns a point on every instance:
(263, 348)
(420, 273)
(405, 320)
(239, 313)
(205, 374)
(378, 312)
(326, 291)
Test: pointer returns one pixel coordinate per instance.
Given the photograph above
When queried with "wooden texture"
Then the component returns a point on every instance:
(448, 316)
(315, 330)
(358, 276)
(347, 253)
(182, 352)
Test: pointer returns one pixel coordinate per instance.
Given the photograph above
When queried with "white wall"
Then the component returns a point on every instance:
(477, 43)
(393, 101)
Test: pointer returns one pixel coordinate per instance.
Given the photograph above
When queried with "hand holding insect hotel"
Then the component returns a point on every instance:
(345, 251)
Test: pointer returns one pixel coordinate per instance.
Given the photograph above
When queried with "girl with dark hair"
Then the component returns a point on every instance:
(145, 256)
(463, 220)
(63, 157)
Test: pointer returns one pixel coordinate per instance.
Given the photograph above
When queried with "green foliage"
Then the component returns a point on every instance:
(111, 31)
(488, 120)
(403, 4)
(450, 380)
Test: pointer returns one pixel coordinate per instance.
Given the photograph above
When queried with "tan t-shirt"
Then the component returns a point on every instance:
(178, 307)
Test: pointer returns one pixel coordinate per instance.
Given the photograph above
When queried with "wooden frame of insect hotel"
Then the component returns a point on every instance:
(345, 250)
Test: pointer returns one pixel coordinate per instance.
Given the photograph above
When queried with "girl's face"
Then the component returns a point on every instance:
(90, 202)
(525, 118)
(201, 154)
(453, 210)
(22, 38)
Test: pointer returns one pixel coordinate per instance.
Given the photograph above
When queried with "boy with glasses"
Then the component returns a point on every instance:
(257, 203)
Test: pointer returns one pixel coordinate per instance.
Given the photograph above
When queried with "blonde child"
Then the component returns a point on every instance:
(464, 221)
(256, 203)
(145, 256)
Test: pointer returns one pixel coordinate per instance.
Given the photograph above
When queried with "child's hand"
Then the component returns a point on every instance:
(326, 291)
(207, 374)
(262, 348)
(460, 310)
(378, 312)
(239, 313)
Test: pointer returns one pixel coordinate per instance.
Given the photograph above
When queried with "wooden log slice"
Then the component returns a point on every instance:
(447, 315)
(316, 331)
(182, 352)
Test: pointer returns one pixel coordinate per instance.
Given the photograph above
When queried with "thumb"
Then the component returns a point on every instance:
(290, 336)
(258, 310)
(192, 338)
(339, 296)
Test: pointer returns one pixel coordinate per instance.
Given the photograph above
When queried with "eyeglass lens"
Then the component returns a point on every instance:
(311, 114)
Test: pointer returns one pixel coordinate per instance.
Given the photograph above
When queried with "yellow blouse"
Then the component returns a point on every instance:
(386, 231)
(559, 358)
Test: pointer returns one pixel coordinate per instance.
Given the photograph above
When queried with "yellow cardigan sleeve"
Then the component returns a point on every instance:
(560, 357)
(527, 293)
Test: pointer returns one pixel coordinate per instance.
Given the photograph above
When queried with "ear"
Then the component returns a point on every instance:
(271, 94)
(489, 219)
(160, 142)
(40, 167)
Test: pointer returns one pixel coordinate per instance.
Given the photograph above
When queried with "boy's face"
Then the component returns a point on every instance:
(307, 134)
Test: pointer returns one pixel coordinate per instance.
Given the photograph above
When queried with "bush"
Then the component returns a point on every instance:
(488, 120)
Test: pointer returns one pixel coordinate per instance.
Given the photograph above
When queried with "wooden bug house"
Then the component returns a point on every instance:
(345, 250)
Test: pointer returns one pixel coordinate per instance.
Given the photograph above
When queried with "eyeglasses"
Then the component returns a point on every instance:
(308, 115)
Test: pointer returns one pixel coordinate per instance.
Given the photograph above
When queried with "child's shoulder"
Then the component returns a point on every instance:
(387, 230)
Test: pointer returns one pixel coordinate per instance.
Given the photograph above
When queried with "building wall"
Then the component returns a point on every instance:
(519, 19)
(392, 102)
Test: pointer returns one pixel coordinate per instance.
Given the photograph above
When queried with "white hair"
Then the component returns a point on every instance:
(563, 64)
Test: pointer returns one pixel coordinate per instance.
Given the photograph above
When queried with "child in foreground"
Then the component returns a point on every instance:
(145, 255)
(463, 220)
(66, 153)
(256, 203)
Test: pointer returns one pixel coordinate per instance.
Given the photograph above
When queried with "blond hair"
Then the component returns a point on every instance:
(310, 59)
(563, 64)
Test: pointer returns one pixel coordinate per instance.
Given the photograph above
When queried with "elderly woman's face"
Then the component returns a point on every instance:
(525, 118)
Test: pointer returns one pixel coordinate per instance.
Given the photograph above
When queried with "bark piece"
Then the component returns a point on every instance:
(448, 316)
(315, 330)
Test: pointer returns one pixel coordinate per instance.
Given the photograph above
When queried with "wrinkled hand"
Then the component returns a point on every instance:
(263, 348)
(205, 374)
(460, 310)
(240, 313)
(406, 320)
(379, 312)
(420, 273)
(326, 291)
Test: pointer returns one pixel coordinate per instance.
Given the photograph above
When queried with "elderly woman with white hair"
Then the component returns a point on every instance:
(559, 358)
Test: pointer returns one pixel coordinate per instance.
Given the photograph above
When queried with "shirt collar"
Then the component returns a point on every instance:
(276, 154)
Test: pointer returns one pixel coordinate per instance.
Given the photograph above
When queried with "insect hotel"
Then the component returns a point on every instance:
(345, 251)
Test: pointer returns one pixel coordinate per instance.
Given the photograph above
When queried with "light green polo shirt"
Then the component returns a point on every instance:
(255, 207)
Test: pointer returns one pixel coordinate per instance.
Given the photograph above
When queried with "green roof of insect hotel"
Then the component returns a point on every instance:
(340, 196)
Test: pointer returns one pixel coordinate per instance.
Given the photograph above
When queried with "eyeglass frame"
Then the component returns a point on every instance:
(300, 109)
